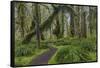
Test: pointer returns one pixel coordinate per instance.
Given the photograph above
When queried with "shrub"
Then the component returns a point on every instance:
(62, 42)
(60, 54)
(88, 45)
(44, 45)
(24, 50)
(77, 50)
(71, 54)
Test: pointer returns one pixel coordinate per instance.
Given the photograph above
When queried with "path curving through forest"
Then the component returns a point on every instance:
(45, 57)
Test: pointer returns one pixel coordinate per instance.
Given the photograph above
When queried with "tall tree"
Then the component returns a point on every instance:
(84, 22)
(37, 24)
(72, 32)
(92, 19)
(21, 16)
(57, 27)
(47, 23)
(62, 23)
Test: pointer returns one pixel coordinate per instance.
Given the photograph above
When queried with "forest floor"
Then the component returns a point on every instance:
(45, 57)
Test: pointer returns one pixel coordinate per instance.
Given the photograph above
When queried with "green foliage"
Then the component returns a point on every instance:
(28, 49)
(67, 54)
(67, 41)
(79, 50)
(88, 45)
(24, 50)
(61, 43)
(51, 23)
(43, 46)
(19, 61)
(25, 60)
(72, 54)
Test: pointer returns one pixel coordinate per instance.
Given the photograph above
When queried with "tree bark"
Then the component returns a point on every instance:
(83, 25)
(72, 25)
(37, 25)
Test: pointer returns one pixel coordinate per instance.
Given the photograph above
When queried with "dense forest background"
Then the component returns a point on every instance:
(69, 29)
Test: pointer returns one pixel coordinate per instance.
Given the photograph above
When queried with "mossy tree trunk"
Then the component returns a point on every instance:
(37, 24)
(72, 25)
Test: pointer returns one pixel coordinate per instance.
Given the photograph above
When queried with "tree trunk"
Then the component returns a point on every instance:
(62, 31)
(83, 25)
(72, 25)
(46, 24)
(57, 27)
(90, 20)
(37, 25)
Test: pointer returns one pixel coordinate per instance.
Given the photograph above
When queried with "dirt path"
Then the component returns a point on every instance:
(44, 58)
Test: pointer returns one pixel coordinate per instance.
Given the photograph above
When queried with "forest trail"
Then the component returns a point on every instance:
(45, 57)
